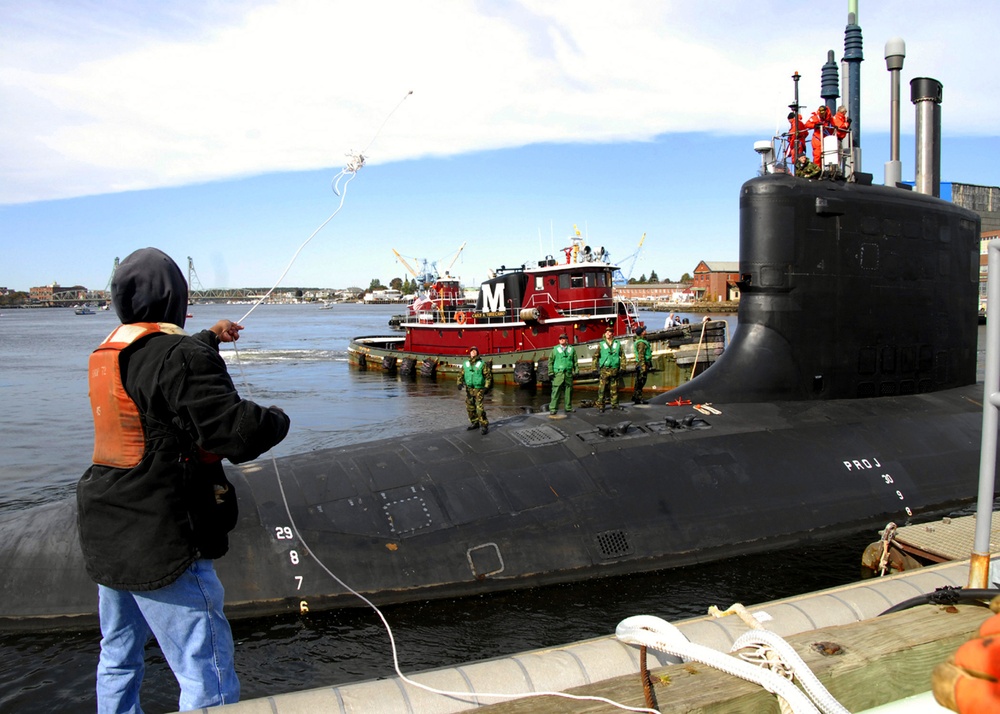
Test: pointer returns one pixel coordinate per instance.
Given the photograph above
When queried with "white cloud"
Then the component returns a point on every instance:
(101, 98)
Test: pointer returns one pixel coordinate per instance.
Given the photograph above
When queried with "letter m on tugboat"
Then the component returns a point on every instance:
(492, 297)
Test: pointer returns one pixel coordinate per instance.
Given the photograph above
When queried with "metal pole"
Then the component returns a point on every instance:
(895, 53)
(795, 107)
(926, 94)
(979, 565)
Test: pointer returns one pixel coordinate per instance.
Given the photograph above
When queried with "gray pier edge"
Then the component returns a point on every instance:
(598, 659)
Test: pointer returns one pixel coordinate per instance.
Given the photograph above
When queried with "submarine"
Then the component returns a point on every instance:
(846, 399)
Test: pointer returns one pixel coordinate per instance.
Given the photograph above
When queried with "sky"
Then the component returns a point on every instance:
(216, 129)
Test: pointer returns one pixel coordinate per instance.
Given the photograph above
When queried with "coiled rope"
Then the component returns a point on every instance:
(654, 632)
(767, 644)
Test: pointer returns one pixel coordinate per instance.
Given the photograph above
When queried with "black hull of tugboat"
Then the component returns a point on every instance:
(678, 354)
(840, 284)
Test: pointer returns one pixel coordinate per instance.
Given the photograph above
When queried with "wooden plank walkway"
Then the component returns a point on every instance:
(875, 662)
(947, 539)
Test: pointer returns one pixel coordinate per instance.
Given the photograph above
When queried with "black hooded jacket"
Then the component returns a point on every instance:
(141, 527)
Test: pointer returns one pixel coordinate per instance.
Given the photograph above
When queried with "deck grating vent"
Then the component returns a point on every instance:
(614, 544)
(542, 435)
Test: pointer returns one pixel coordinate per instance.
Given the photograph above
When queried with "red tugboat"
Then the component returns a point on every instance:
(518, 317)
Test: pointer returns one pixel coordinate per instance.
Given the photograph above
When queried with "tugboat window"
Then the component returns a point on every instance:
(602, 280)
(564, 280)
(577, 280)
(591, 279)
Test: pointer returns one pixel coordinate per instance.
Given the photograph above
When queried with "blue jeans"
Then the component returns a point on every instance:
(186, 619)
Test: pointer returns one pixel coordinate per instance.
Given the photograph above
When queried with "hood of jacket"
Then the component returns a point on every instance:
(149, 287)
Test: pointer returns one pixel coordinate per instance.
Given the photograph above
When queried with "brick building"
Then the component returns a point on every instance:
(716, 280)
(47, 294)
(660, 292)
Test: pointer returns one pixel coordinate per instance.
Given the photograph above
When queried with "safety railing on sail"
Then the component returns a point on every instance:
(836, 160)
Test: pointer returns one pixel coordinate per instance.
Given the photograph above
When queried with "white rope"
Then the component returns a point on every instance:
(661, 635)
(355, 163)
(766, 641)
(887, 536)
(351, 170)
(771, 659)
(738, 609)
(470, 697)
(704, 325)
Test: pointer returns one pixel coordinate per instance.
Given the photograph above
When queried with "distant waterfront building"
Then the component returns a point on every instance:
(656, 292)
(349, 294)
(984, 200)
(984, 247)
(716, 280)
(43, 293)
(384, 296)
(56, 294)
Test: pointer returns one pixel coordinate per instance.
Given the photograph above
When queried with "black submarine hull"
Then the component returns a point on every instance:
(846, 400)
(546, 501)
(541, 501)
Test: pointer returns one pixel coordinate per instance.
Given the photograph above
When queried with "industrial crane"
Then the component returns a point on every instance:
(428, 272)
(619, 277)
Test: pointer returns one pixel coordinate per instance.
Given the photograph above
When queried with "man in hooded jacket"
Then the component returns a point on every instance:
(155, 508)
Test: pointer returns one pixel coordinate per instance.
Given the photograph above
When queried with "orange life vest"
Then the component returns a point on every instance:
(119, 437)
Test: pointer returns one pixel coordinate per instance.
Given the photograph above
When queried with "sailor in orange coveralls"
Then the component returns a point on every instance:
(841, 121)
(822, 125)
(969, 682)
(797, 133)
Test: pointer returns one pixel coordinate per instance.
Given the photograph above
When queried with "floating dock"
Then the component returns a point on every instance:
(945, 540)
(866, 661)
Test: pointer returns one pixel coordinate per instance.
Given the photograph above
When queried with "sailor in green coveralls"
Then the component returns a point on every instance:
(477, 378)
(562, 365)
(609, 362)
(643, 363)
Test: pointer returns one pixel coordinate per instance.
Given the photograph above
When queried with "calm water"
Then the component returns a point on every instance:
(296, 357)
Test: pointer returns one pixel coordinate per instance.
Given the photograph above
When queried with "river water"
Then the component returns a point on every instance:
(295, 356)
